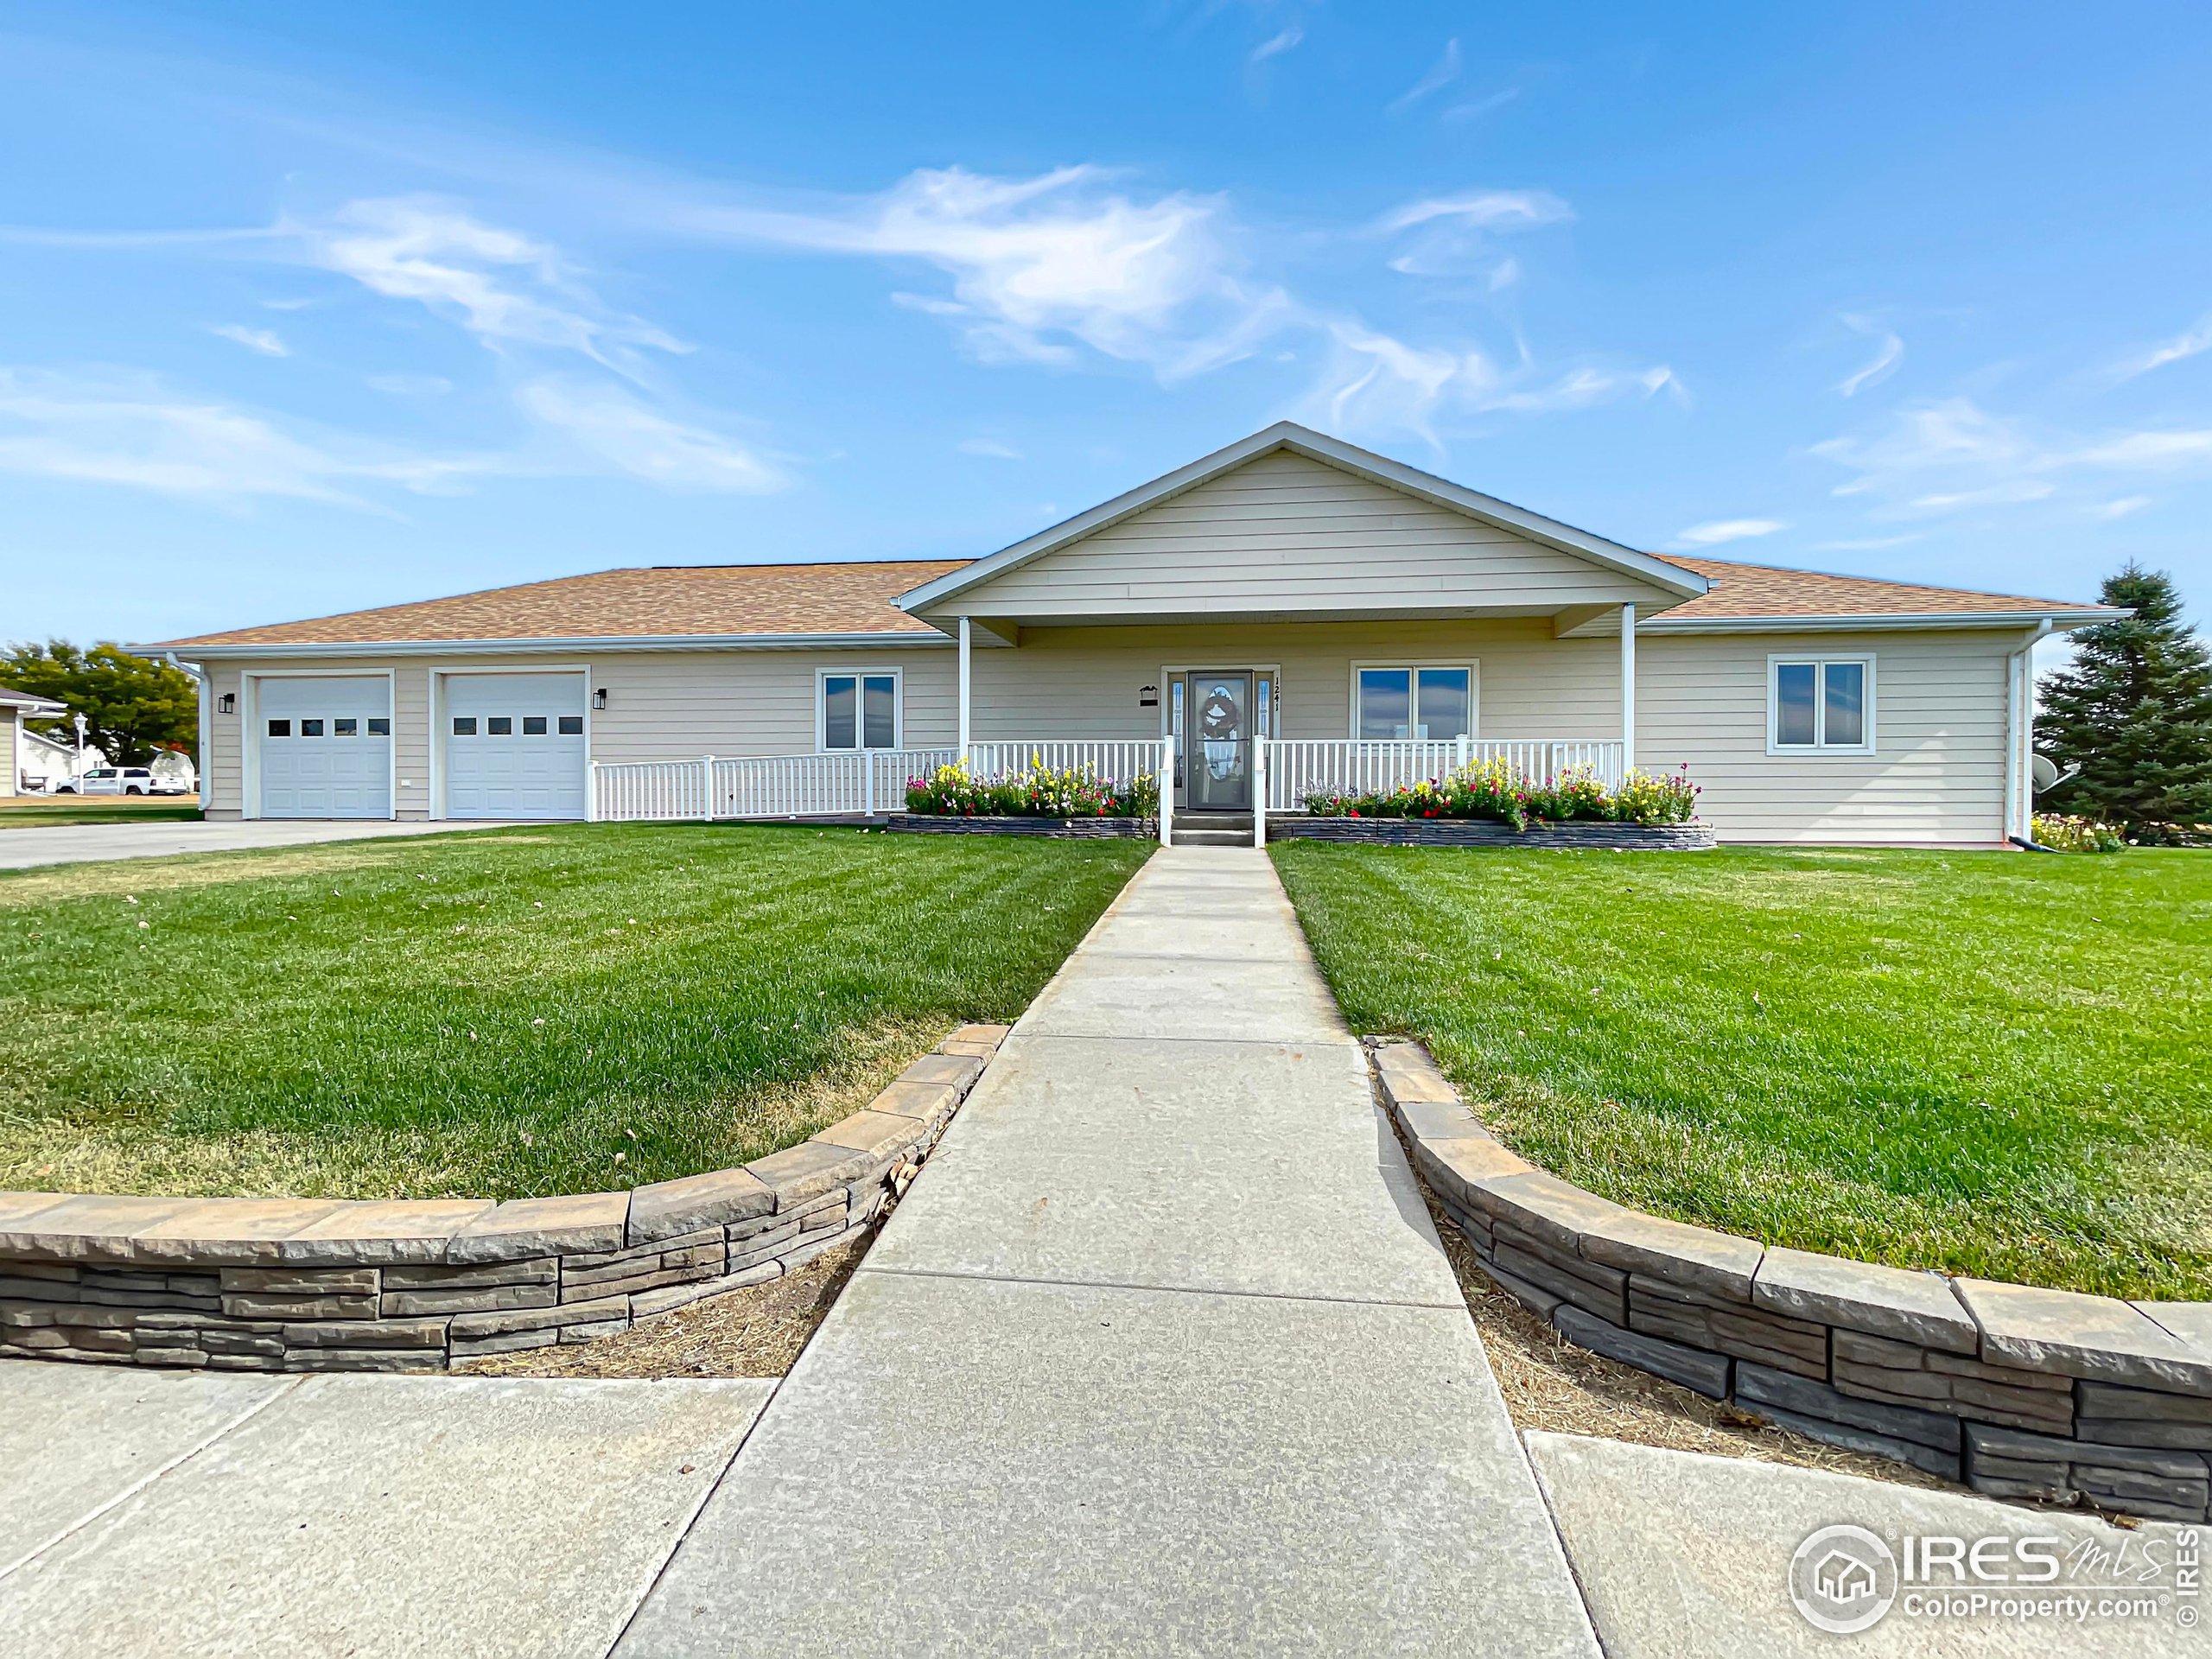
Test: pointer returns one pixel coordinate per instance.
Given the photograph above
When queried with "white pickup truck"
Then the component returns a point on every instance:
(109, 780)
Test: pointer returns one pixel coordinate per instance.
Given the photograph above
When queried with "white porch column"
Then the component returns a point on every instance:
(965, 645)
(1628, 689)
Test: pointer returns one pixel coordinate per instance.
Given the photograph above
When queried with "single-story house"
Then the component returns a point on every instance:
(21, 748)
(1288, 613)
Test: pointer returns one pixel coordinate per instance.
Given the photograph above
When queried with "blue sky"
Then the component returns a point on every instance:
(309, 309)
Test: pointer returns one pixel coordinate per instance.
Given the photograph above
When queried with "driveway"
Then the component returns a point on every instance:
(90, 843)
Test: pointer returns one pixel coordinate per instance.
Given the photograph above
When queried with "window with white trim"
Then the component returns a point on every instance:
(860, 711)
(1412, 700)
(1820, 705)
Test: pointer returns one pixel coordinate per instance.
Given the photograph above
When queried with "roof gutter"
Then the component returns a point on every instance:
(868, 641)
(2044, 621)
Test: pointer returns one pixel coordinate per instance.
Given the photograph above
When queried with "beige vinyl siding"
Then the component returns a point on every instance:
(1084, 681)
(1937, 774)
(1285, 533)
(684, 704)
(661, 705)
(222, 764)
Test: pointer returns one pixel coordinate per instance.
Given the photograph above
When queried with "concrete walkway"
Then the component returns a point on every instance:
(179, 1513)
(1162, 1354)
(90, 843)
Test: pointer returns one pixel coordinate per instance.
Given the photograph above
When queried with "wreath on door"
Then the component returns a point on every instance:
(1219, 716)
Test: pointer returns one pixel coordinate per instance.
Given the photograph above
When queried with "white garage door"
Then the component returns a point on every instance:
(514, 745)
(325, 747)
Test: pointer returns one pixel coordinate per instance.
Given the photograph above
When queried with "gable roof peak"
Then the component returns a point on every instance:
(1332, 452)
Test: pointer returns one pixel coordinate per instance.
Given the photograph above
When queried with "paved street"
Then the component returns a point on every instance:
(89, 843)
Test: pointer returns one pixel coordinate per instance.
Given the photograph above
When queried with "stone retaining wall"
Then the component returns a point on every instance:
(946, 823)
(312, 1284)
(1479, 832)
(2017, 1392)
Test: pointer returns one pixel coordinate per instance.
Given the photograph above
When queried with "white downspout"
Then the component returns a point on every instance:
(2019, 734)
(1628, 690)
(203, 761)
(965, 647)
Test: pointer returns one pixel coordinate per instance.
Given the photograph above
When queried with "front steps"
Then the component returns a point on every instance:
(1212, 829)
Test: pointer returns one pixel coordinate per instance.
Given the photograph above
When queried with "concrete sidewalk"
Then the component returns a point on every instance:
(91, 843)
(1162, 1354)
(171, 1513)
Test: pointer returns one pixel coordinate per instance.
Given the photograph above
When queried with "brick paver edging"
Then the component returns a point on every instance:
(2017, 1391)
(316, 1285)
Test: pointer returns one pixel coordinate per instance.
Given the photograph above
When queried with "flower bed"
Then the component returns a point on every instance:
(2068, 835)
(1039, 793)
(1492, 791)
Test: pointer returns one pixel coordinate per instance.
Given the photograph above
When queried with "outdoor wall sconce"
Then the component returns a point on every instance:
(228, 703)
(1147, 697)
(599, 697)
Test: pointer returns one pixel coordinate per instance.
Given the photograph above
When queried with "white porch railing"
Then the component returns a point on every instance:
(1299, 767)
(1112, 762)
(850, 784)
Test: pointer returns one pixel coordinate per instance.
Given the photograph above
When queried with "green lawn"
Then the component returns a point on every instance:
(28, 812)
(505, 1012)
(1991, 1062)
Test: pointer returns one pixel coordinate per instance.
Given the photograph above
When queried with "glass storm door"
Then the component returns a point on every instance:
(1217, 743)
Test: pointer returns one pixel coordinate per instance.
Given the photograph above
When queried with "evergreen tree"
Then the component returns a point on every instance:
(2134, 710)
(131, 705)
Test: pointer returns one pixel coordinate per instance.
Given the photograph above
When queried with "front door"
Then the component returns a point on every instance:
(1217, 743)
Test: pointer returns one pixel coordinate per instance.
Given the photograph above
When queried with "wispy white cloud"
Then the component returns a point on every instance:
(504, 287)
(1375, 383)
(1889, 351)
(1448, 235)
(1475, 108)
(266, 341)
(1503, 275)
(1951, 456)
(127, 430)
(2191, 342)
(1487, 210)
(1717, 530)
(1276, 45)
(411, 385)
(2121, 506)
(990, 448)
(1044, 266)
(1441, 74)
(620, 432)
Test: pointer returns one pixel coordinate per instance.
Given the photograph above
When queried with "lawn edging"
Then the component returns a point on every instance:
(1483, 832)
(2016, 1391)
(950, 823)
(320, 1285)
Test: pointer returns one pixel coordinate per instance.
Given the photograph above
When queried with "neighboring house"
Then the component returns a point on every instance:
(23, 750)
(1368, 618)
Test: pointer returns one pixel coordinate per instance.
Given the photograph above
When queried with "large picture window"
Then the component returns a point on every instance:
(1414, 699)
(861, 711)
(1821, 705)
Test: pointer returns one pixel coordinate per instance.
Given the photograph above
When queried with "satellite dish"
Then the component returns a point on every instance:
(2047, 776)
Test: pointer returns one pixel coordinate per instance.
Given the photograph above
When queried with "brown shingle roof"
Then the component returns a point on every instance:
(666, 600)
(658, 600)
(1768, 590)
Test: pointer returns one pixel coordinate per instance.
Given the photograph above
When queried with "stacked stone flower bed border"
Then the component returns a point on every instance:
(1393, 832)
(2016, 1391)
(1480, 832)
(945, 823)
(314, 1285)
